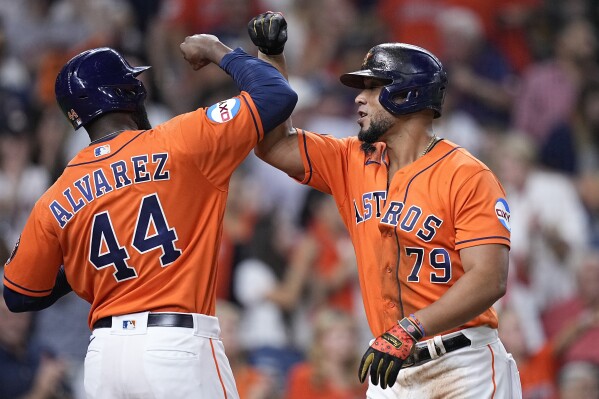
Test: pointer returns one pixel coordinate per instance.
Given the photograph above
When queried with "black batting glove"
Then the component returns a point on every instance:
(388, 352)
(268, 32)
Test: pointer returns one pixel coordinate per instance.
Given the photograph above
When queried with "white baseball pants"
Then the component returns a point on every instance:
(131, 360)
(484, 370)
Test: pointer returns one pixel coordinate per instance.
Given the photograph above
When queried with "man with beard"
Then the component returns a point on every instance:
(428, 221)
(136, 220)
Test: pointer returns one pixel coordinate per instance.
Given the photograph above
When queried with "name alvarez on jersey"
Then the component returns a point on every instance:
(96, 184)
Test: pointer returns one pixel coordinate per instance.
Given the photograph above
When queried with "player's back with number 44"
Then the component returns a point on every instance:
(121, 213)
(136, 220)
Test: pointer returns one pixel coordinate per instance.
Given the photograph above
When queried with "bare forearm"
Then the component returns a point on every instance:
(266, 148)
(470, 296)
(483, 283)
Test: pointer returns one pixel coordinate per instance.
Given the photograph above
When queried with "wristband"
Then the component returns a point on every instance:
(411, 328)
(418, 323)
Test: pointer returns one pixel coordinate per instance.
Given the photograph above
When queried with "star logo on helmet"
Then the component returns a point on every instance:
(369, 55)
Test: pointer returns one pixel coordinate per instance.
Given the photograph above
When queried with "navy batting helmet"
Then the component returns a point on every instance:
(413, 78)
(96, 82)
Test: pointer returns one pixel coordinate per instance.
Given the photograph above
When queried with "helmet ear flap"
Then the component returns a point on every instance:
(404, 96)
(400, 100)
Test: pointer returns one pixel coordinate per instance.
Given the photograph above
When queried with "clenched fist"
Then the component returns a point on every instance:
(268, 32)
(200, 50)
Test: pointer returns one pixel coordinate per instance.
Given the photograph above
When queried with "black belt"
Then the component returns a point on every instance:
(155, 320)
(422, 354)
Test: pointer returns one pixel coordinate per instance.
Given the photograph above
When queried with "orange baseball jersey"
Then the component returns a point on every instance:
(407, 232)
(136, 219)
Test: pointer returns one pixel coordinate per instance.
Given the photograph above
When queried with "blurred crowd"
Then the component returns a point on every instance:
(523, 96)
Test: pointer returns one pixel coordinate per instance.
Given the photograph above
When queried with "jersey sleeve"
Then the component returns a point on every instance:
(481, 213)
(218, 138)
(325, 161)
(32, 267)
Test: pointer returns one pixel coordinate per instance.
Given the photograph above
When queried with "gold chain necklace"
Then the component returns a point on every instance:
(429, 146)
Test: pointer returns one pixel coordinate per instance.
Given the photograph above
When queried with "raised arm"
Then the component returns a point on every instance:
(270, 92)
(279, 148)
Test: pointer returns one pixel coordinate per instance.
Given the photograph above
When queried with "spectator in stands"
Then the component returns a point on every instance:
(239, 223)
(480, 75)
(179, 87)
(29, 371)
(329, 372)
(549, 89)
(63, 329)
(267, 299)
(539, 368)
(324, 25)
(21, 181)
(324, 252)
(581, 311)
(13, 73)
(578, 381)
(548, 222)
(460, 127)
(588, 187)
(326, 246)
(572, 146)
(504, 23)
(251, 382)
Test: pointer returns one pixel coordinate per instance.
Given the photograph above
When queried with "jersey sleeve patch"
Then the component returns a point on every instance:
(502, 210)
(224, 111)
(14, 251)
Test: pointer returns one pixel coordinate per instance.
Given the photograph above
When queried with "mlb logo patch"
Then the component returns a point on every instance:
(128, 324)
(102, 150)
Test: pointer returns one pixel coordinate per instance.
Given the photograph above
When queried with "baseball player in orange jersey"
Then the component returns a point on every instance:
(136, 220)
(428, 221)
